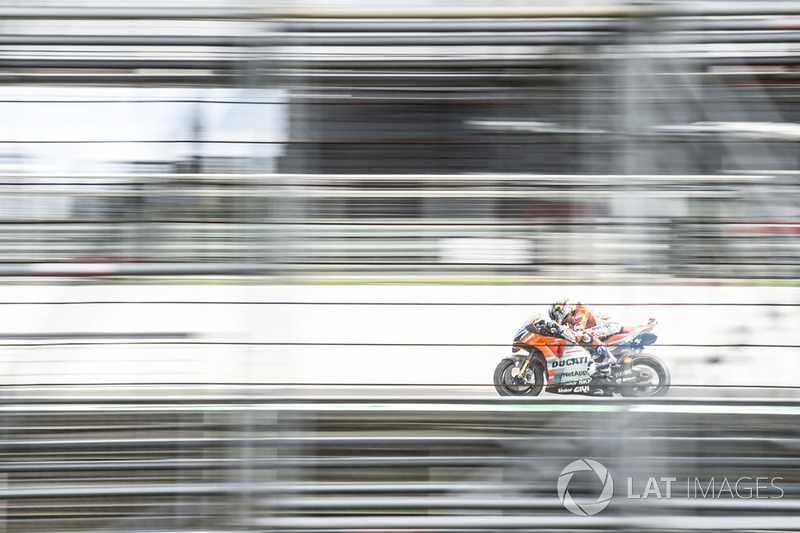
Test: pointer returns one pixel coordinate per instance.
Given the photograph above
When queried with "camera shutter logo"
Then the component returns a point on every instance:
(586, 509)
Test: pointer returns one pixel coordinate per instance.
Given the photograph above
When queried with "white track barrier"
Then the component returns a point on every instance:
(358, 334)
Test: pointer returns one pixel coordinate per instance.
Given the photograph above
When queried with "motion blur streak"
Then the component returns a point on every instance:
(223, 461)
(197, 199)
(589, 140)
(545, 226)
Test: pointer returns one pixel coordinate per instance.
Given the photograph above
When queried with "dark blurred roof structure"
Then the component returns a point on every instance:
(610, 92)
(405, 87)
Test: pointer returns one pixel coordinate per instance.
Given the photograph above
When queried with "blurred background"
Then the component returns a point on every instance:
(258, 260)
(570, 141)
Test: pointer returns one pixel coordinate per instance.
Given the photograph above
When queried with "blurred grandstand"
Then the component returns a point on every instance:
(588, 141)
(223, 462)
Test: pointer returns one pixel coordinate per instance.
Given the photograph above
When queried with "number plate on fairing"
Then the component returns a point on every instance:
(572, 366)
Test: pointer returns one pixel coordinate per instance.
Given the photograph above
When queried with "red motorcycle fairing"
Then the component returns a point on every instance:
(571, 363)
(544, 362)
(564, 363)
(573, 366)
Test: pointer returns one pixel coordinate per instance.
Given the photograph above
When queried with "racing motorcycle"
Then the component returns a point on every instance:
(544, 361)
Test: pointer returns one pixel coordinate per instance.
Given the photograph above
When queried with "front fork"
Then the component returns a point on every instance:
(522, 366)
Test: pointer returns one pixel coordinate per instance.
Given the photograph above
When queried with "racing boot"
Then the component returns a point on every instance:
(603, 366)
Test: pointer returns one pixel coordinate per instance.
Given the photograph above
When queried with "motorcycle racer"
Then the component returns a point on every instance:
(582, 325)
(565, 363)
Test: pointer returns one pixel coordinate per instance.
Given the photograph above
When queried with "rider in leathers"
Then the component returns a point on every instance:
(585, 326)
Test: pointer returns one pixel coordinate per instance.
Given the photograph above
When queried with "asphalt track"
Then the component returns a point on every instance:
(306, 393)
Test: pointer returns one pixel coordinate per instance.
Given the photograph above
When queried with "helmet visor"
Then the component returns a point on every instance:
(558, 312)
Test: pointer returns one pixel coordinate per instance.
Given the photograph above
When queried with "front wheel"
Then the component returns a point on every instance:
(509, 385)
(652, 377)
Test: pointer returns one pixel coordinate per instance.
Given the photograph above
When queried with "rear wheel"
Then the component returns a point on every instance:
(652, 377)
(507, 384)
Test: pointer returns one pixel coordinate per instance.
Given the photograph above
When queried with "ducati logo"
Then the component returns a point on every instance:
(585, 509)
(568, 362)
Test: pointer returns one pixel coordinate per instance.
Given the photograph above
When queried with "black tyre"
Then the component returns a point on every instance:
(508, 385)
(654, 377)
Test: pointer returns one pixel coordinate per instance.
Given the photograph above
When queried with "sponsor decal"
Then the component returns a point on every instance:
(569, 362)
(573, 374)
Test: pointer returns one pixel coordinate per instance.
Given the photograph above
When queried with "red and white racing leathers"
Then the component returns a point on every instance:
(590, 321)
